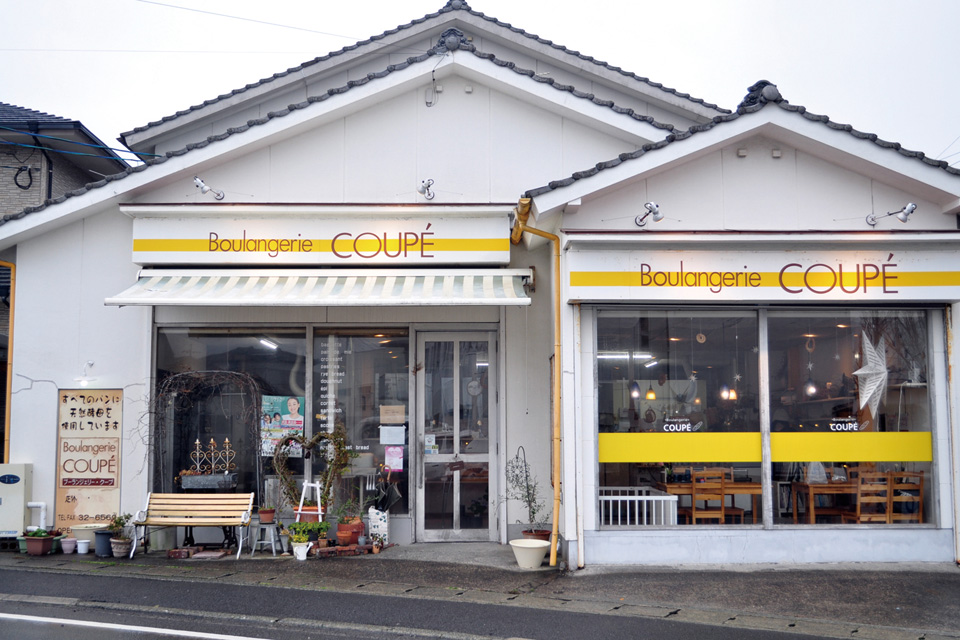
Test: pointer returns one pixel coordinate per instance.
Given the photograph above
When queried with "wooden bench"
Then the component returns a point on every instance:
(189, 510)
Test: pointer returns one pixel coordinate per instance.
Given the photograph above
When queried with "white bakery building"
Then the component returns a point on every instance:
(374, 237)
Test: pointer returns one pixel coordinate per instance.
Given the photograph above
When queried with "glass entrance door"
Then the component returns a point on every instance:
(456, 433)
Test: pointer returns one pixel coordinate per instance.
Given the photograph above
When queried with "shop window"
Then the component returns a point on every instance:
(217, 390)
(849, 408)
(361, 379)
(850, 416)
(677, 394)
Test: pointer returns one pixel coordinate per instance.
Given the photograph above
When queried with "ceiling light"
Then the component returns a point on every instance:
(651, 394)
(268, 343)
(634, 389)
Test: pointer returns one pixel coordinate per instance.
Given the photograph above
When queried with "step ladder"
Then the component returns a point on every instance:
(316, 486)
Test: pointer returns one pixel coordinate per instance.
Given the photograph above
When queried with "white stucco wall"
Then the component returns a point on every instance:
(60, 323)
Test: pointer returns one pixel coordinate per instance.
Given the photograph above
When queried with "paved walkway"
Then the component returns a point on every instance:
(880, 602)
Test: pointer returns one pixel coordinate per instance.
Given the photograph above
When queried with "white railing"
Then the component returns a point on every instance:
(636, 506)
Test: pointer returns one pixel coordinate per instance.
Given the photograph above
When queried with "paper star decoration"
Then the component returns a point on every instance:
(738, 377)
(873, 375)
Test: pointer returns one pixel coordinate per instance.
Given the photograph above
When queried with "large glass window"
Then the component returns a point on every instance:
(686, 382)
(362, 379)
(679, 403)
(212, 390)
(850, 416)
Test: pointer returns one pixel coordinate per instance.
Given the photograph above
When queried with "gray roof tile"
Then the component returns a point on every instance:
(758, 96)
(438, 50)
(451, 5)
(11, 114)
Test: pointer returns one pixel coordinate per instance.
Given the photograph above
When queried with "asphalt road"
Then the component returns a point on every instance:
(280, 613)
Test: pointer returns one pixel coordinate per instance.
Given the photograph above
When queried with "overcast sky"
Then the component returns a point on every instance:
(883, 66)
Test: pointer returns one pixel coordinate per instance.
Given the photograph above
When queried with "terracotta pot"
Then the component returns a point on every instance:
(310, 514)
(344, 538)
(355, 529)
(537, 534)
(266, 515)
(39, 546)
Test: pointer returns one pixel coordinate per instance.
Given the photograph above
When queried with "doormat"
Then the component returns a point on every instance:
(209, 555)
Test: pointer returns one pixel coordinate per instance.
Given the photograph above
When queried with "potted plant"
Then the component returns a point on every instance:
(349, 522)
(522, 485)
(39, 542)
(120, 542)
(266, 514)
(376, 540)
(314, 531)
(300, 544)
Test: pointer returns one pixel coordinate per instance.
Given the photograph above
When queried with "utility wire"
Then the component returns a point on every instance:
(224, 15)
(71, 153)
(82, 144)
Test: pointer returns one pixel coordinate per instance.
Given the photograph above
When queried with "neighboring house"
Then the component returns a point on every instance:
(41, 157)
(44, 156)
(336, 240)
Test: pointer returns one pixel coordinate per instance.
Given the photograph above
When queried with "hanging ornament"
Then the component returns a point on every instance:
(872, 375)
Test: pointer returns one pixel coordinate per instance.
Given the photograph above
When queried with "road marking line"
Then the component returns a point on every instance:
(126, 627)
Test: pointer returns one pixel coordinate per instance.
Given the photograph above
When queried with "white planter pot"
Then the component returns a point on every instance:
(300, 550)
(529, 553)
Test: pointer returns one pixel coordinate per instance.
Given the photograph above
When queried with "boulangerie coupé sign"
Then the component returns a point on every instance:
(322, 241)
(748, 275)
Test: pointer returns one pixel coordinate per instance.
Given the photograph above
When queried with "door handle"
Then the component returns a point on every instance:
(421, 457)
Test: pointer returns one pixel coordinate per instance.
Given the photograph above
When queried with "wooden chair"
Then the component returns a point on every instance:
(874, 499)
(709, 486)
(906, 491)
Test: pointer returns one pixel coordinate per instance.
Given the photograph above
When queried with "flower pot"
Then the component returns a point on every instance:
(344, 538)
(102, 543)
(537, 534)
(266, 515)
(121, 547)
(69, 545)
(39, 546)
(354, 528)
(376, 548)
(529, 553)
(309, 514)
(83, 546)
(300, 550)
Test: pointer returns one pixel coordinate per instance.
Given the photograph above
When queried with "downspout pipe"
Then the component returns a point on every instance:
(523, 214)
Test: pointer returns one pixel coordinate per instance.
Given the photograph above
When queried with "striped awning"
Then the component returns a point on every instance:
(321, 287)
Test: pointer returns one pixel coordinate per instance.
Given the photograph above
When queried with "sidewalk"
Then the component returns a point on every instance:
(833, 601)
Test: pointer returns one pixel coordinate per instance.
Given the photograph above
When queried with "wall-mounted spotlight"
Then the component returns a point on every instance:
(902, 215)
(204, 189)
(84, 379)
(652, 208)
(424, 189)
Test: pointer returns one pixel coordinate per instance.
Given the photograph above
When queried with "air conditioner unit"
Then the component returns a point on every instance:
(16, 481)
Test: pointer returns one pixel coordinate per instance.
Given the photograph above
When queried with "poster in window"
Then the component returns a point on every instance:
(281, 417)
(393, 458)
(88, 456)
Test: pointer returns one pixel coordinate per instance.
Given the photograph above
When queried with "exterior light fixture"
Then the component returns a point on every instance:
(204, 189)
(84, 379)
(424, 189)
(902, 215)
(652, 208)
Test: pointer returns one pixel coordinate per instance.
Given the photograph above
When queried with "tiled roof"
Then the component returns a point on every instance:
(451, 5)
(11, 114)
(758, 96)
(450, 39)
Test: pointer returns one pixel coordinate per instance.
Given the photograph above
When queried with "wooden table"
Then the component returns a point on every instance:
(753, 489)
(813, 489)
